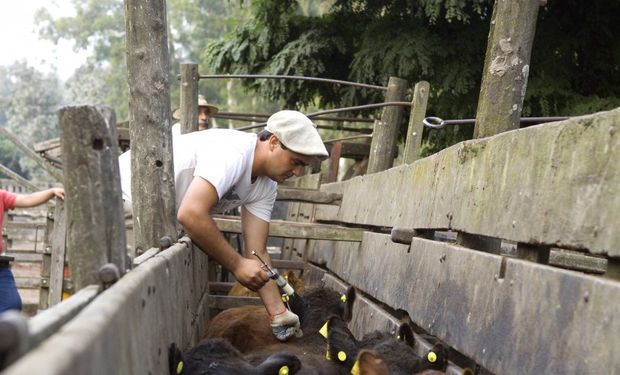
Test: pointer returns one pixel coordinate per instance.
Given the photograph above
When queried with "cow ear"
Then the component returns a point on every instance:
(342, 347)
(405, 334)
(280, 363)
(369, 364)
(347, 300)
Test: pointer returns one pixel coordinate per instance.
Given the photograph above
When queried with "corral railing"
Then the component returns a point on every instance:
(544, 192)
(541, 191)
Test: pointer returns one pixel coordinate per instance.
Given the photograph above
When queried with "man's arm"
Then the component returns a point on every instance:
(40, 197)
(195, 217)
(255, 232)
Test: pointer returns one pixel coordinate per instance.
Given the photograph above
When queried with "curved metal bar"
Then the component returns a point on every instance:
(301, 78)
(348, 138)
(359, 107)
(337, 110)
(438, 123)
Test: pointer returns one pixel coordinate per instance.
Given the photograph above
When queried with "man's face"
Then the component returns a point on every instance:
(283, 163)
(203, 118)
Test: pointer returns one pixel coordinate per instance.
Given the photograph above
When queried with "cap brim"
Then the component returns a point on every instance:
(176, 114)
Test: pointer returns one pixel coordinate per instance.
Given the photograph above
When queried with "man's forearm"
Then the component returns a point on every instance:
(209, 238)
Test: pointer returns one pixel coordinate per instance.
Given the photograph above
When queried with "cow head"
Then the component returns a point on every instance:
(397, 355)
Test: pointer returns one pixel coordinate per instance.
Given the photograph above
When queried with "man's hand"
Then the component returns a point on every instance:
(285, 325)
(250, 274)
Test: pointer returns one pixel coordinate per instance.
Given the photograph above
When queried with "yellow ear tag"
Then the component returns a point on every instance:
(179, 368)
(343, 298)
(356, 369)
(323, 330)
(283, 370)
(342, 356)
(285, 298)
(432, 357)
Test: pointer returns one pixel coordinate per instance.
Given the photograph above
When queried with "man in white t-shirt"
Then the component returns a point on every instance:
(205, 111)
(219, 169)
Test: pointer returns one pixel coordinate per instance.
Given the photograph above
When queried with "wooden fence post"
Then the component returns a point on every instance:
(416, 127)
(152, 171)
(58, 246)
(383, 147)
(93, 203)
(334, 161)
(189, 98)
(504, 80)
(506, 66)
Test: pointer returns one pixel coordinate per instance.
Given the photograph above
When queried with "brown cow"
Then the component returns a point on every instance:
(248, 330)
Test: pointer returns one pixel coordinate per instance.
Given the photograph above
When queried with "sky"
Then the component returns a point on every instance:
(19, 40)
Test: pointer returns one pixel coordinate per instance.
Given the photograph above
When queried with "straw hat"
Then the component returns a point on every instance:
(202, 102)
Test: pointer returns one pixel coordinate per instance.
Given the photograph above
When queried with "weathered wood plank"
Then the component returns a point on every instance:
(439, 285)
(228, 302)
(189, 98)
(292, 229)
(152, 169)
(415, 128)
(9, 225)
(383, 148)
(305, 213)
(47, 322)
(324, 212)
(506, 66)
(93, 192)
(56, 173)
(307, 195)
(577, 261)
(17, 178)
(555, 184)
(58, 248)
(24, 256)
(352, 150)
(127, 329)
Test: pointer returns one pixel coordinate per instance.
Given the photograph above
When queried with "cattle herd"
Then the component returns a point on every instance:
(239, 341)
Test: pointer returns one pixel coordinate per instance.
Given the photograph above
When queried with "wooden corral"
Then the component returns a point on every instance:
(541, 187)
(506, 248)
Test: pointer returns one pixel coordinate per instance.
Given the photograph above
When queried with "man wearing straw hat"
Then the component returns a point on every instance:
(205, 111)
(220, 169)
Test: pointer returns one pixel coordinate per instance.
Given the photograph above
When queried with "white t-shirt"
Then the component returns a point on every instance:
(224, 158)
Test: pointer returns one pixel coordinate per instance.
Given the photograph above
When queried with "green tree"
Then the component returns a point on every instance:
(99, 26)
(28, 103)
(574, 68)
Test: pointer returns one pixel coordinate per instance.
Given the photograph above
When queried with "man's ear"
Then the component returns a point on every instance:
(273, 142)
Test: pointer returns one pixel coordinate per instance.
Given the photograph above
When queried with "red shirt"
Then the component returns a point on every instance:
(7, 202)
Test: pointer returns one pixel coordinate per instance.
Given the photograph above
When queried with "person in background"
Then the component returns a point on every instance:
(9, 297)
(205, 111)
(219, 169)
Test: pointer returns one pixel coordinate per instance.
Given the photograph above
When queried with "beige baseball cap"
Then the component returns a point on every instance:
(202, 102)
(297, 133)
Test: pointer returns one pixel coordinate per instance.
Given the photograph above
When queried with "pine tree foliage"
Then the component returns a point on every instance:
(574, 65)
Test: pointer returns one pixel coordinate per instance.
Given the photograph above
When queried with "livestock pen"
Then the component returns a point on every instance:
(505, 247)
(540, 191)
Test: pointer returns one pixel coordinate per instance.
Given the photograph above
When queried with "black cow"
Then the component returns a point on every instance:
(218, 356)
(397, 355)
